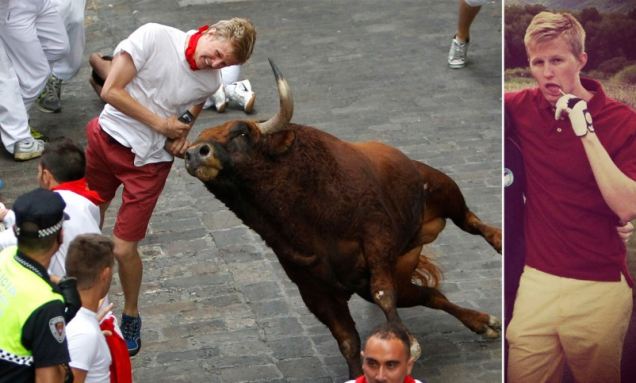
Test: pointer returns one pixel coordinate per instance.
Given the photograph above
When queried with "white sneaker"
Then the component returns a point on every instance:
(241, 93)
(457, 54)
(218, 100)
(27, 149)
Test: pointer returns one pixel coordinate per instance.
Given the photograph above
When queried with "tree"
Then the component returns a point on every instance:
(589, 15)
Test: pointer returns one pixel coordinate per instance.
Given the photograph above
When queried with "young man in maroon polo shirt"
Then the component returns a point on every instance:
(579, 151)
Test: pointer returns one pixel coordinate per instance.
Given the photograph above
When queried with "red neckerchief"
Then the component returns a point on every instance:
(80, 187)
(120, 368)
(192, 47)
(408, 379)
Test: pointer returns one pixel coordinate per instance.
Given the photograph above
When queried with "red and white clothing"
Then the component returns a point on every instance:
(124, 150)
(87, 347)
(120, 367)
(362, 379)
(164, 84)
(83, 219)
(83, 215)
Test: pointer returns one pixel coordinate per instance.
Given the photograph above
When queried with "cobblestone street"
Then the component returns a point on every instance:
(216, 305)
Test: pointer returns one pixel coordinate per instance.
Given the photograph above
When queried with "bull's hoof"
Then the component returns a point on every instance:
(495, 240)
(492, 329)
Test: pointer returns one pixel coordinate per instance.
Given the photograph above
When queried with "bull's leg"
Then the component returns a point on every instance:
(445, 200)
(481, 323)
(470, 223)
(382, 285)
(333, 311)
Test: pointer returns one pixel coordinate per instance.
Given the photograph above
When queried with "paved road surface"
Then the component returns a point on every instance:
(216, 305)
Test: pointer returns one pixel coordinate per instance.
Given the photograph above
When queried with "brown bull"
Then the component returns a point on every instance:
(343, 218)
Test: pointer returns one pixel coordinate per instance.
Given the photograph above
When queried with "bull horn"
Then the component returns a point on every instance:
(283, 116)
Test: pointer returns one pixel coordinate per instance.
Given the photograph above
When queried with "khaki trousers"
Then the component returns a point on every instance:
(557, 320)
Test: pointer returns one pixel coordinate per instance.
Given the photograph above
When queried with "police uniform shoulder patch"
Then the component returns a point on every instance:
(56, 325)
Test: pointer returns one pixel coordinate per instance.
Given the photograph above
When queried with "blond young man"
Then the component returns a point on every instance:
(579, 151)
(157, 74)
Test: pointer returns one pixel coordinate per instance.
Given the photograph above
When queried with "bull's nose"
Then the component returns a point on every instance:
(198, 152)
(195, 155)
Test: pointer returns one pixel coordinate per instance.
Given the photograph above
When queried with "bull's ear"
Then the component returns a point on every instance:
(280, 142)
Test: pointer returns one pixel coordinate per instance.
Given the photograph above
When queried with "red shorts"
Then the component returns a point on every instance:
(110, 164)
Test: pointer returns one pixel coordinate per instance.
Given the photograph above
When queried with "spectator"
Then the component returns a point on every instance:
(386, 356)
(137, 135)
(468, 10)
(33, 38)
(90, 260)
(32, 309)
(72, 14)
(14, 121)
(61, 169)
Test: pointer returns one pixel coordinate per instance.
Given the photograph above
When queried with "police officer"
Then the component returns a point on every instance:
(33, 344)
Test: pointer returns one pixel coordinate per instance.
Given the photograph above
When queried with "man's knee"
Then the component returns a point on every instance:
(125, 251)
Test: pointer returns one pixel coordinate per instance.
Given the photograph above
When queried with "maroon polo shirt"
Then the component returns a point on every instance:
(570, 231)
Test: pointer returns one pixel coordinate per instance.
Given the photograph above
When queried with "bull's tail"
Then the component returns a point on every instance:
(426, 273)
(448, 201)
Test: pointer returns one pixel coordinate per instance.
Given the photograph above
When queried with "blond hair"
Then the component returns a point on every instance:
(239, 32)
(546, 26)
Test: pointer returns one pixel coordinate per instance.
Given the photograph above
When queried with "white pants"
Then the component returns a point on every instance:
(34, 35)
(13, 116)
(72, 13)
(230, 74)
(558, 319)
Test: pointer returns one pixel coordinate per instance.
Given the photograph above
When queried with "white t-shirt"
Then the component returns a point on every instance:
(164, 84)
(83, 219)
(87, 347)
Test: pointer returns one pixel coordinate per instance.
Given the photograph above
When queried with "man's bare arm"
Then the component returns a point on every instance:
(114, 92)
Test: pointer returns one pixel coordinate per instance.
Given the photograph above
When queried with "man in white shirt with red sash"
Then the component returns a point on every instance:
(157, 75)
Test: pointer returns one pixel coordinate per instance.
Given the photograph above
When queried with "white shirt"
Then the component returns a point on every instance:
(87, 347)
(164, 84)
(83, 219)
